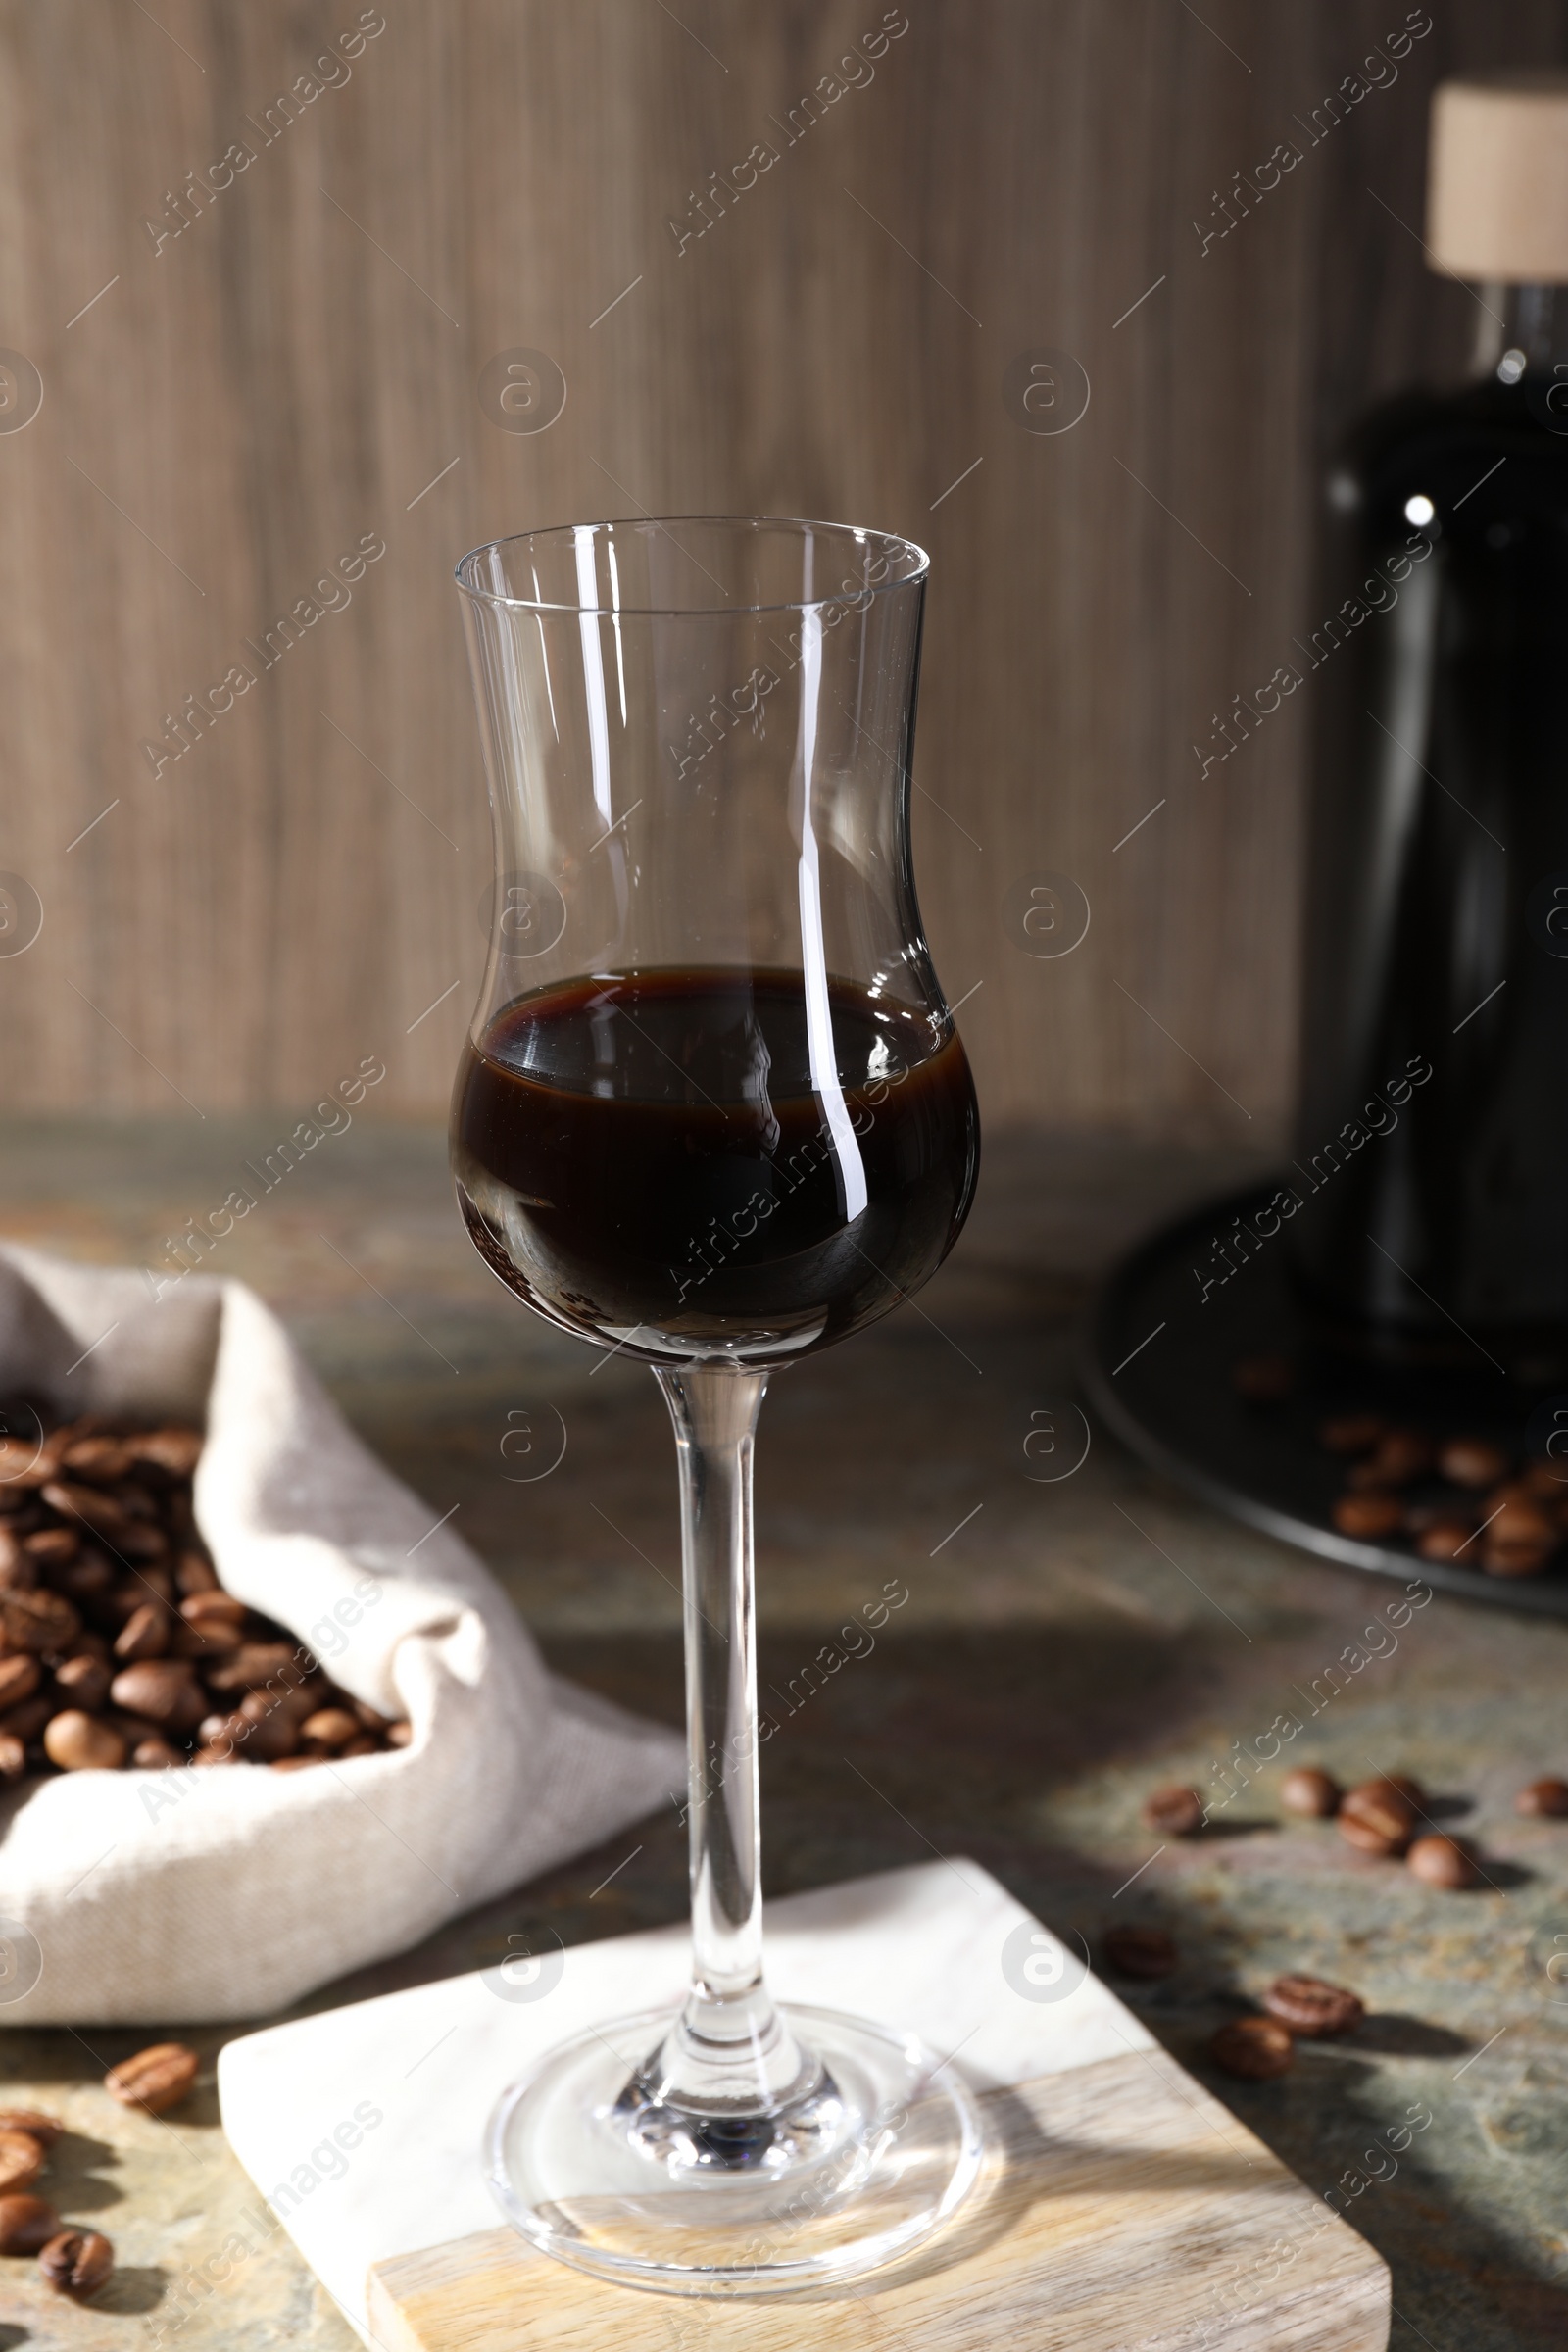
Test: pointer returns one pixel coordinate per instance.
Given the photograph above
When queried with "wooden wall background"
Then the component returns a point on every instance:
(298, 369)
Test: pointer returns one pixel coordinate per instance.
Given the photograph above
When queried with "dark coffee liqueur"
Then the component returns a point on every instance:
(685, 1156)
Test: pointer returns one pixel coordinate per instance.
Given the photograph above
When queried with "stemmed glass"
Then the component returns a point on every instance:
(713, 1115)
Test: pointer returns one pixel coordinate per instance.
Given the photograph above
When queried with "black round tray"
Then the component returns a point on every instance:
(1159, 1365)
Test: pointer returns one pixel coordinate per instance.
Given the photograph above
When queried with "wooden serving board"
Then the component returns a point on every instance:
(1123, 2210)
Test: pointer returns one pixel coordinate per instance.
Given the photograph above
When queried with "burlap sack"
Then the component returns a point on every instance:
(163, 1897)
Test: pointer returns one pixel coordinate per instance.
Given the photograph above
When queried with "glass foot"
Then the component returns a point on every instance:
(871, 2156)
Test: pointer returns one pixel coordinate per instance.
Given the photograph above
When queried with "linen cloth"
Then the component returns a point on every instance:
(190, 1895)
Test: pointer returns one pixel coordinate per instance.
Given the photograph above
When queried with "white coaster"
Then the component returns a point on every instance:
(360, 2126)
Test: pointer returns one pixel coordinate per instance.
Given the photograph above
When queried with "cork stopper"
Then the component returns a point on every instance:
(1498, 179)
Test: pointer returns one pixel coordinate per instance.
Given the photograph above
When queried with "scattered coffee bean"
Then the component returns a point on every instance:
(1263, 1379)
(156, 2078)
(1442, 1862)
(44, 2129)
(1134, 1951)
(1472, 1462)
(78, 2262)
(1377, 1819)
(1308, 1790)
(1368, 1517)
(1254, 2048)
(26, 2223)
(79, 1743)
(1401, 1785)
(1542, 1796)
(1314, 2011)
(1174, 1812)
(1353, 1432)
(20, 2161)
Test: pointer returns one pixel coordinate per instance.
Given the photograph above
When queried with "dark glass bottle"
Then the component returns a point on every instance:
(1432, 1151)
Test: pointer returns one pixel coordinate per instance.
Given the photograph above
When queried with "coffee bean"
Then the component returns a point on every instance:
(1368, 1517)
(79, 1743)
(25, 1721)
(400, 1735)
(155, 1755)
(363, 1743)
(19, 1676)
(44, 2129)
(1449, 1540)
(214, 1608)
(1544, 1483)
(1313, 2010)
(252, 1666)
(272, 1726)
(141, 1541)
(295, 1763)
(223, 1753)
(1263, 1379)
(1399, 1457)
(1377, 1819)
(21, 2160)
(1472, 1462)
(52, 1546)
(156, 2078)
(102, 1461)
(26, 2223)
(84, 1681)
(1517, 1518)
(163, 1690)
(1401, 1785)
(194, 1573)
(44, 1623)
(1174, 1812)
(169, 1453)
(1253, 2048)
(331, 1727)
(1134, 1951)
(85, 1580)
(13, 1756)
(1442, 1862)
(144, 1633)
(1517, 1560)
(85, 1506)
(1353, 1432)
(78, 2262)
(1308, 1790)
(1542, 1796)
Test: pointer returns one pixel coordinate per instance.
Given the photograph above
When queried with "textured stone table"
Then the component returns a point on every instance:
(1063, 1648)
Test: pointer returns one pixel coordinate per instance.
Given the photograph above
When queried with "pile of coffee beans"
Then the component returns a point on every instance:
(76, 2262)
(1455, 1498)
(117, 1646)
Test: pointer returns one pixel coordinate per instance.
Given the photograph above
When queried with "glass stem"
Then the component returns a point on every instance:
(732, 2052)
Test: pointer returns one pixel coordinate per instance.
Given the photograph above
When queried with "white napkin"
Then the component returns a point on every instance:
(151, 1897)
